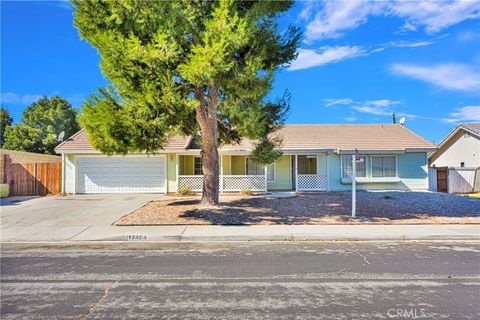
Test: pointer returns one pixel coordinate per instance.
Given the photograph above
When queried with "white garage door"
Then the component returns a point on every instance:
(121, 174)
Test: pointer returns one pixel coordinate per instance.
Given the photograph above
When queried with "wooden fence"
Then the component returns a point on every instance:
(26, 179)
(459, 180)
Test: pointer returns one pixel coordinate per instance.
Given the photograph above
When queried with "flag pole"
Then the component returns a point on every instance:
(354, 187)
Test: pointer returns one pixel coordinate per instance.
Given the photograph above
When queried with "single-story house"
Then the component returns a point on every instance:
(460, 148)
(316, 157)
(455, 165)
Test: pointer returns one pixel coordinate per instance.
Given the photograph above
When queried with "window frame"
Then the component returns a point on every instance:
(309, 156)
(246, 168)
(201, 165)
(383, 168)
(274, 171)
(350, 157)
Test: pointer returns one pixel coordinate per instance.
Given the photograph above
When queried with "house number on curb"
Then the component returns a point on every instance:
(136, 237)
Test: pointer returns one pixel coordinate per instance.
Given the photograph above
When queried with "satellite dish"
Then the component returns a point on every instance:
(402, 120)
(61, 135)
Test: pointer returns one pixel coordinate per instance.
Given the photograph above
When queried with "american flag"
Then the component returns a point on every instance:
(357, 155)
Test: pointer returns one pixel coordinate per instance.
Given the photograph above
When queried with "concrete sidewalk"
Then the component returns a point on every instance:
(240, 233)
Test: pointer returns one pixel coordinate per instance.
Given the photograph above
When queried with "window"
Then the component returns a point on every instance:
(462, 164)
(253, 168)
(384, 167)
(347, 167)
(271, 172)
(307, 164)
(197, 166)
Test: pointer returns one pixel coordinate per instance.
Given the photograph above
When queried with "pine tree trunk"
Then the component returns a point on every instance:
(209, 132)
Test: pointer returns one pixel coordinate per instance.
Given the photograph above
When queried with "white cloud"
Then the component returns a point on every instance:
(409, 44)
(334, 102)
(468, 113)
(436, 15)
(13, 98)
(334, 17)
(308, 58)
(351, 118)
(449, 76)
(383, 102)
(379, 111)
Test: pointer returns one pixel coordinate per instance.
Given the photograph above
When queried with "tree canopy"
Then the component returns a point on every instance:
(41, 123)
(186, 67)
(5, 121)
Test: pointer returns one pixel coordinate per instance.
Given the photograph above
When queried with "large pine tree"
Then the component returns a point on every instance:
(186, 67)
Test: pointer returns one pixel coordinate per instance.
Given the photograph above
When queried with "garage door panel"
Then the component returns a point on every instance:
(121, 174)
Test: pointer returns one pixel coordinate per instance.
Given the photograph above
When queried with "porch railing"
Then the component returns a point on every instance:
(311, 182)
(229, 183)
(194, 183)
(242, 182)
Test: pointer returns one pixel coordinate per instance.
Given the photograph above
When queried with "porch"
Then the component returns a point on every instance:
(292, 172)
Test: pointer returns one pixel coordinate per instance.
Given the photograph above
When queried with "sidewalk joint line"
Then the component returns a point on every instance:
(81, 231)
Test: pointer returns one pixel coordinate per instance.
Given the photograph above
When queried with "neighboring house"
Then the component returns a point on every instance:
(461, 148)
(454, 166)
(316, 157)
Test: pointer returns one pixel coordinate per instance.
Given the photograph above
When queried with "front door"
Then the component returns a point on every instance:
(442, 179)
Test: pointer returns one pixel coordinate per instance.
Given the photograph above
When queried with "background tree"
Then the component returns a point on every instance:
(41, 123)
(186, 67)
(5, 121)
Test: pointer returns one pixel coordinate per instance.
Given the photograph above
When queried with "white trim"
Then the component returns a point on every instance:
(63, 173)
(166, 174)
(290, 173)
(177, 164)
(75, 172)
(296, 173)
(221, 173)
(328, 169)
(371, 180)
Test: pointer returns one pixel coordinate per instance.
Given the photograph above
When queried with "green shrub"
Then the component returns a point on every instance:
(185, 191)
(246, 192)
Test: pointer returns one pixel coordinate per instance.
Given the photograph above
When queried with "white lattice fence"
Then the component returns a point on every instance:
(311, 182)
(239, 183)
(194, 183)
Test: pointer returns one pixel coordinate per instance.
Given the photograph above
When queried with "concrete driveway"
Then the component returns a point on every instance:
(56, 217)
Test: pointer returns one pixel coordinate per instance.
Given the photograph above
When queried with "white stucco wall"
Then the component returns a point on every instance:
(69, 171)
(463, 147)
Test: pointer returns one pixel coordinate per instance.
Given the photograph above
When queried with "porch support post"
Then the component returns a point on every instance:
(63, 173)
(221, 173)
(327, 175)
(266, 178)
(177, 159)
(75, 164)
(296, 173)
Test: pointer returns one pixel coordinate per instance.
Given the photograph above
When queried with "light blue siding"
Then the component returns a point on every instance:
(411, 169)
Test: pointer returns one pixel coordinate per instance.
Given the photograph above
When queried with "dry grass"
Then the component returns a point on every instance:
(311, 208)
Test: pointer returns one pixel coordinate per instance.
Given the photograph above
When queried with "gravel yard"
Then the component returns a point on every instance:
(312, 208)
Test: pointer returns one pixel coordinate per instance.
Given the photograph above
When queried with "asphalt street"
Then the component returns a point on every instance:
(276, 280)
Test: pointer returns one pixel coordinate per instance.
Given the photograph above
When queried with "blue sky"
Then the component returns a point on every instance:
(358, 61)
